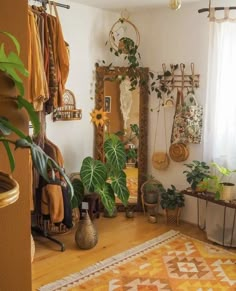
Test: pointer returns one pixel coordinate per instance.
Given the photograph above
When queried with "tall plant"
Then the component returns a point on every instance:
(108, 178)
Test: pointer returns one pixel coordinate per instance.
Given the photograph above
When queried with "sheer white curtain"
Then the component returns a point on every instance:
(220, 112)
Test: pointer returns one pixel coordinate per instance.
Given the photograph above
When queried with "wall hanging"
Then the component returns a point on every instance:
(124, 34)
(69, 110)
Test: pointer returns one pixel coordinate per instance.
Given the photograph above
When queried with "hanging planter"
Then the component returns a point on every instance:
(9, 190)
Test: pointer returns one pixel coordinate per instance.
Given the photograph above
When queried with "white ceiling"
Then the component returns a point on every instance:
(118, 5)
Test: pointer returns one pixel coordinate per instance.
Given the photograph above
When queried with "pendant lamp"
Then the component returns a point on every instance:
(175, 4)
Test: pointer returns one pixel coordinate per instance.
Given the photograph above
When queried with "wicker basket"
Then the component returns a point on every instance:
(9, 190)
(172, 215)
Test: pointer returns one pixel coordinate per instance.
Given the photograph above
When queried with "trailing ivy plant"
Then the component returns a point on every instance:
(159, 84)
(12, 65)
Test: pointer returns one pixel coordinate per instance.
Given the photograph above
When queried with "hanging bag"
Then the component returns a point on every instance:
(193, 114)
(160, 159)
(178, 150)
(179, 123)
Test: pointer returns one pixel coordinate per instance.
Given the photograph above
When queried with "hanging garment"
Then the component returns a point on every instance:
(38, 88)
(52, 202)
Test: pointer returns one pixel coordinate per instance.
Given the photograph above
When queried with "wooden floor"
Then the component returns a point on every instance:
(115, 235)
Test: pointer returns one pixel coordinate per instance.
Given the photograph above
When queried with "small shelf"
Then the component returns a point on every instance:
(69, 110)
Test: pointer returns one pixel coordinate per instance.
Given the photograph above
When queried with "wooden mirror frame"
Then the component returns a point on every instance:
(101, 73)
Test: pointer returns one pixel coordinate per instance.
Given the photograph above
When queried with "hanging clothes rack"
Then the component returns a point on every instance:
(215, 8)
(44, 2)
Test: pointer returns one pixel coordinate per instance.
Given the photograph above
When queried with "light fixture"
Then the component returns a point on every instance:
(175, 4)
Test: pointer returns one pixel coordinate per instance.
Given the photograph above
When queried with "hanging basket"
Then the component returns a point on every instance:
(9, 190)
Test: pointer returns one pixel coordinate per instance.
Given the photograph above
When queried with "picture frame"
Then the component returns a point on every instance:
(107, 104)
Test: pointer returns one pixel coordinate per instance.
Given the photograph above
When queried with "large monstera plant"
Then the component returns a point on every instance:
(108, 179)
(12, 66)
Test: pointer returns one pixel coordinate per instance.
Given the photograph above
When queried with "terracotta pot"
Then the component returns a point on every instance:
(9, 190)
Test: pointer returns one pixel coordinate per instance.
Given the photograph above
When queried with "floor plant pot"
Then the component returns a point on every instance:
(227, 191)
(172, 215)
(86, 234)
(9, 190)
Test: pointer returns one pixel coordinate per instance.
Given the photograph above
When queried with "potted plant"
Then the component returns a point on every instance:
(224, 181)
(107, 178)
(150, 191)
(10, 65)
(172, 202)
(196, 173)
(129, 140)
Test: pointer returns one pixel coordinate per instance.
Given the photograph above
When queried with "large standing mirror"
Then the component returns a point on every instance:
(128, 114)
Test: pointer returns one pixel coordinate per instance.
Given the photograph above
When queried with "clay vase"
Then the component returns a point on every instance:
(86, 234)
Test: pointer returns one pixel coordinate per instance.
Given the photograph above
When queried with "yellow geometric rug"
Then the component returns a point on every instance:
(171, 261)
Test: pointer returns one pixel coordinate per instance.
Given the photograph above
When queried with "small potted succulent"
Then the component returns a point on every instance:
(172, 202)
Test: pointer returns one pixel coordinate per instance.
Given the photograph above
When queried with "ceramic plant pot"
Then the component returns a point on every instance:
(9, 190)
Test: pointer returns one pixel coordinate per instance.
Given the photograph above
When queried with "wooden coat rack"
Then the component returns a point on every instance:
(180, 80)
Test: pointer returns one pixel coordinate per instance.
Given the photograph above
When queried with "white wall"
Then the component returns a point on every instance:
(174, 37)
(166, 37)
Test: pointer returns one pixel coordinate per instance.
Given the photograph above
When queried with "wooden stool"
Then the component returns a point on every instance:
(93, 200)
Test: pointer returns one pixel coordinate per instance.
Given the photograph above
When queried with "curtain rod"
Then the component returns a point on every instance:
(44, 2)
(216, 8)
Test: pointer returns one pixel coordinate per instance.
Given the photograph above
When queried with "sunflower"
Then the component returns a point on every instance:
(99, 117)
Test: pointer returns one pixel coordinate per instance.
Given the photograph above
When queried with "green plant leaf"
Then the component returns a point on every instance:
(92, 173)
(4, 129)
(78, 193)
(4, 123)
(115, 152)
(14, 40)
(107, 197)
(11, 64)
(10, 155)
(119, 185)
(31, 112)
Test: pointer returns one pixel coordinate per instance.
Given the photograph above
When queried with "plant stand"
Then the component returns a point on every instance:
(172, 215)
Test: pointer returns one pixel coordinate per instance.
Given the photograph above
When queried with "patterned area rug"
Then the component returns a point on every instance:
(171, 261)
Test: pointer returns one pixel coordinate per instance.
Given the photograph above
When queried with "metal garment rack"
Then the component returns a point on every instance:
(216, 8)
(45, 2)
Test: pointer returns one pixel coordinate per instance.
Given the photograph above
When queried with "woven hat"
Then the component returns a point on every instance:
(179, 152)
(160, 160)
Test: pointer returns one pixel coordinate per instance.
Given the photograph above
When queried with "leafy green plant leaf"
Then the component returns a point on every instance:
(10, 155)
(107, 196)
(93, 173)
(118, 183)
(115, 152)
(22, 103)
